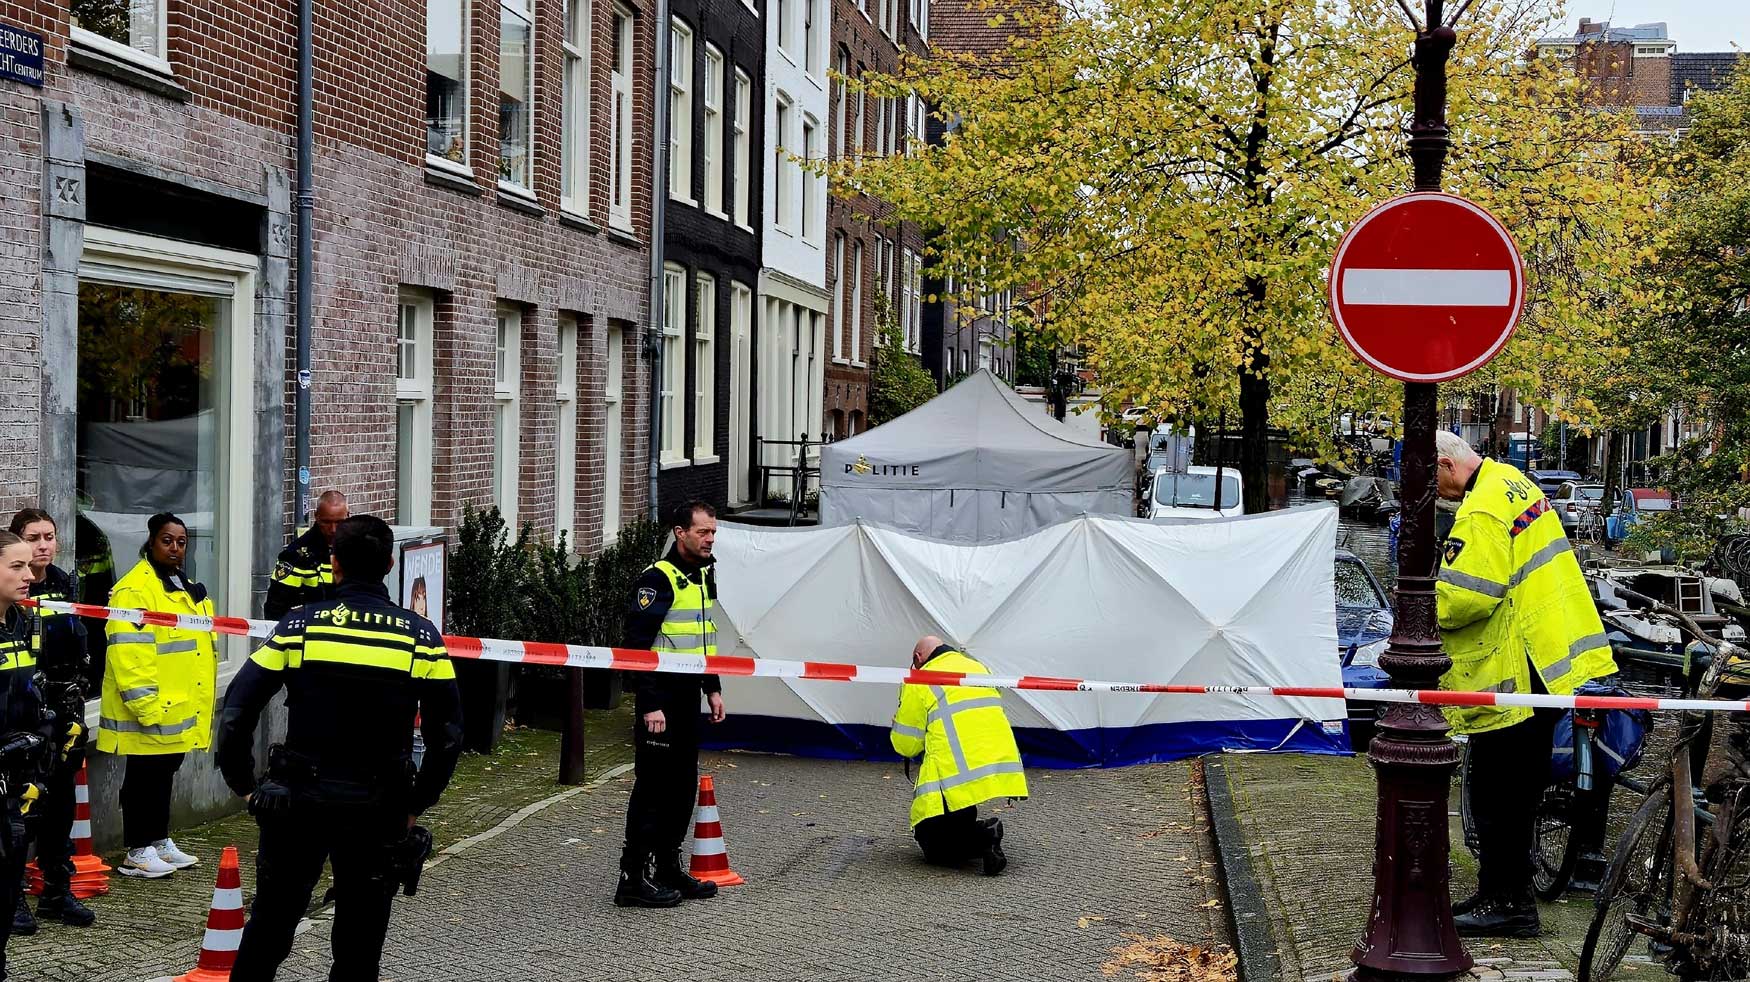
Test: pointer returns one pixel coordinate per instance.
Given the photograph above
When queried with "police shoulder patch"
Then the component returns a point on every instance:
(1453, 548)
(282, 570)
(646, 597)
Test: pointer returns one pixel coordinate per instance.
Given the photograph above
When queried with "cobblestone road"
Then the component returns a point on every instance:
(836, 888)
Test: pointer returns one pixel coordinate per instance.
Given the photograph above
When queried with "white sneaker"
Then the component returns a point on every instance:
(177, 859)
(144, 863)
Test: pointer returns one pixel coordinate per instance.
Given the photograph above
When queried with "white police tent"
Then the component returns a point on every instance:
(975, 464)
(1240, 601)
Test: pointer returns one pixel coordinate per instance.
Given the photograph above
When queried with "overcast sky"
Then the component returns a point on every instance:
(1696, 25)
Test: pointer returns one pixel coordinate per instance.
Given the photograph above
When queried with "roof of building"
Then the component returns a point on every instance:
(1592, 32)
(1701, 71)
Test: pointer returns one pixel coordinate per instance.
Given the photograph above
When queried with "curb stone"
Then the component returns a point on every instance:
(1248, 916)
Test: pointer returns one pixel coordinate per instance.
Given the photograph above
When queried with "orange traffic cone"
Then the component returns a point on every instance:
(710, 856)
(224, 925)
(90, 873)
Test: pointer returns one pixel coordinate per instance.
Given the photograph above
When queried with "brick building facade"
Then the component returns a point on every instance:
(470, 284)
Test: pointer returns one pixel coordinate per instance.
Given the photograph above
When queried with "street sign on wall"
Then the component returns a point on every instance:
(21, 55)
(1427, 287)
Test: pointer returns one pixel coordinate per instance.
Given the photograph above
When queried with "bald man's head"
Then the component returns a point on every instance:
(331, 510)
(925, 647)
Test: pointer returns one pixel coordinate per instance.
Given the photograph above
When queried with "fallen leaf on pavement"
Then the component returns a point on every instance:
(1083, 922)
(1161, 959)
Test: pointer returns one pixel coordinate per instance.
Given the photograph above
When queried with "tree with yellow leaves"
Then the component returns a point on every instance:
(1163, 182)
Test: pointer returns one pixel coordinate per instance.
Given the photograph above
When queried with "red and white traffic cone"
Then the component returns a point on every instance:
(90, 873)
(224, 925)
(710, 856)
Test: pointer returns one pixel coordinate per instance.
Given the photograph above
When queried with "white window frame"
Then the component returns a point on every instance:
(680, 111)
(674, 369)
(809, 217)
(841, 109)
(613, 416)
(914, 123)
(923, 23)
(156, 61)
(743, 162)
(705, 369)
(715, 81)
(863, 8)
(565, 439)
(575, 154)
(781, 17)
(784, 207)
(129, 259)
(466, 69)
(857, 135)
(524, 9)
(620, 116)
(838, 297)
(507, 413)
(418, 309)
(857, 303)
(917, 302)
(904, 297)
(811, 61)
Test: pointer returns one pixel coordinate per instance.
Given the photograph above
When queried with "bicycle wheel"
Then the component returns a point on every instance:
(1555, 850)
(1722, 915)
(1637, 882)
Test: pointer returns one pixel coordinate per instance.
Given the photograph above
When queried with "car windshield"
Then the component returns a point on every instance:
(1195, 490)
(1653, 504)
(1354, 587)
(1590, 494)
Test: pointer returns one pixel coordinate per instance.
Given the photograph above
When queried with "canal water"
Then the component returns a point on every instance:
(1370, 542)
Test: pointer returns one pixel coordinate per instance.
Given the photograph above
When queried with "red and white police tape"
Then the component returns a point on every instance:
(630, 660)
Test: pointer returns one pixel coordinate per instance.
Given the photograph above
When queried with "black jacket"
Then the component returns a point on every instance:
(65, 656)
(21, 702)
(351, 709)
(299, 563)
(655, 691)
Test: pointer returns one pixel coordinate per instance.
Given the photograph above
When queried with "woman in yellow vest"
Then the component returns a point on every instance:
(158, 685)
(970, 757)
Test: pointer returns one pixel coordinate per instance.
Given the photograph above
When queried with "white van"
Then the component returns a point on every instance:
(1191, 494)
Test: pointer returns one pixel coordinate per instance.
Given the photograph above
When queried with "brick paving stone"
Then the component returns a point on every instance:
(836, 888)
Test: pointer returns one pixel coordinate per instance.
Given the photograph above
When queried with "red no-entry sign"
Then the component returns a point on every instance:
(1427, 287)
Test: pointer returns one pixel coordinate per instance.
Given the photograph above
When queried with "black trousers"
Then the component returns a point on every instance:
(953, 838)
(665, 768)
(145, 798)
(1509, 772)
(55, 825)
(11, 880)
(356, 838)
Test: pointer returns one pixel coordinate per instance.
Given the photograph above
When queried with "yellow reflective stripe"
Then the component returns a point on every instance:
(431, 651)
(352, 633)
(967, 777)
(369, 656)
(438, 669)
(1476, 584)
(279, 653)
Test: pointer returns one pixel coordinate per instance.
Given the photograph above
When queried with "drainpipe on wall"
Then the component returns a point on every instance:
(306, 274)
(658, 213)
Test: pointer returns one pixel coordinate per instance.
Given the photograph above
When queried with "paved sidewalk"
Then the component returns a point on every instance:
(1106, 866)
(148, 929)
(1307, 824)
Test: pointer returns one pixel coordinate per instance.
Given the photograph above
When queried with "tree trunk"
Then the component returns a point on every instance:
(1255, 416)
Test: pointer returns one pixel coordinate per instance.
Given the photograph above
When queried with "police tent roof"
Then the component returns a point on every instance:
(975, 464)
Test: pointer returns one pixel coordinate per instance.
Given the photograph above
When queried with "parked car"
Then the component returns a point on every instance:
(1634, 503)
(1551, 481)
(1191, 493)
(1364, 624)
(1572, 500)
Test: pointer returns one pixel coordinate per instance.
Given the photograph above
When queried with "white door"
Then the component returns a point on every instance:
(740, 399)
(614, 442)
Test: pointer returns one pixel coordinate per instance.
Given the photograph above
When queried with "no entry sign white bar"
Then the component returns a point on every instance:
(1428, 287)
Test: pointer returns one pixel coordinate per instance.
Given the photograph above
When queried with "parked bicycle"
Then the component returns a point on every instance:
(1689, 895)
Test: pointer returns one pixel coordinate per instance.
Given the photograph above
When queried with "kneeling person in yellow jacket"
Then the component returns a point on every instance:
(970, 757)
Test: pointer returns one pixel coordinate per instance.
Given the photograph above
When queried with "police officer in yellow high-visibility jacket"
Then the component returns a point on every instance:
(357, 668)
(1515, 616)
(970, 757)
(158, 685)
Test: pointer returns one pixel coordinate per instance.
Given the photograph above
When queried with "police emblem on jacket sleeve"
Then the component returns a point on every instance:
(1453, 548)
(646, 597)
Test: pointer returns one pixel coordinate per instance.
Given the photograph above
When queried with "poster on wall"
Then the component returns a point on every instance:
(422, 580)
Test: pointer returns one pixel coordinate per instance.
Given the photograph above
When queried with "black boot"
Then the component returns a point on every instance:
(1501, 917)
(1467, 905)
(23, 921)
(994, 860)
(638, 887)
(64, 907)
(670, 875)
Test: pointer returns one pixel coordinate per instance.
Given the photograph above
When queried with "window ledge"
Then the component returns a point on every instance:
(573, 220)
(718, 214)
(674, 465)
(624, 237)
(98, 62)
(745, 227)
(855, 363)
(517, 199)
(841, 361)
(455, 179)
(707, 461)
